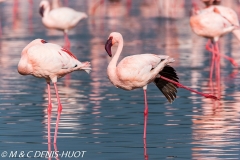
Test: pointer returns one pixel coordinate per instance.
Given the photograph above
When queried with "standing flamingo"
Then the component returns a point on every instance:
(49, 61)
(214, 22)
(137, 71)
(62, 18)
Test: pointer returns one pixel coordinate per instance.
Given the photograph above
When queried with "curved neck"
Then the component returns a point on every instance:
(115, 58)
(46, 10)
(55, 4)
(113, 63)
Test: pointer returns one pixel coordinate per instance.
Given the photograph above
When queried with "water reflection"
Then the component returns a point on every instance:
(214, 131)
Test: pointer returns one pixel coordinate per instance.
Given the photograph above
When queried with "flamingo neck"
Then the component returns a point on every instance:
(56, 4)
(236, 32)
(113, 63)
(46, 11)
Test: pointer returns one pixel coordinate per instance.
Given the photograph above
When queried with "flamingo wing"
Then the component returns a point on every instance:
(137, 67)
(64, 17)
(168, 89)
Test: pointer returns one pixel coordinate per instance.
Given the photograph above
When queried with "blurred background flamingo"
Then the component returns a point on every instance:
(61, 18)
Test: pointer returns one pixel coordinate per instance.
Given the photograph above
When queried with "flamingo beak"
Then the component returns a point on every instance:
(108, 46)
(41, 10)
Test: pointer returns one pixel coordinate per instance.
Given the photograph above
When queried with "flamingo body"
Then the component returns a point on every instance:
(49, 61)
(135, 71)
(62, 18)
(214, 22)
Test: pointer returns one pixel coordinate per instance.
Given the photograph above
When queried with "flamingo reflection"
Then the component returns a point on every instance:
(215, 129)
(145, 149)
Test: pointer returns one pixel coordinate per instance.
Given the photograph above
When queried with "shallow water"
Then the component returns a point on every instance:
(107, 122)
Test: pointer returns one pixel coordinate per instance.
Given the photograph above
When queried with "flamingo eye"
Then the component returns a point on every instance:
(43, 41)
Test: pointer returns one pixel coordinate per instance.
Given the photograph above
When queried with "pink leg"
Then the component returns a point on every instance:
(49, 150)
(67, 41)
(234, 63)
(66, 3)
(15, 14)
(59, 113)
(145, 149)
(49, 113)
(145, 113)
(0, 28)
(30, 15)
(218, 69)
(213, 58)
(129, 4)
(55, 149)
(189, 89)
(96, 5)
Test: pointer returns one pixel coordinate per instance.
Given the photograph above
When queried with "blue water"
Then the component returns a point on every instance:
(106, 123)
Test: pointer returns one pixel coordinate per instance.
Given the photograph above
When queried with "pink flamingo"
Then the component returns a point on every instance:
(49, 61)
(137, 71)
(213, 22)
(62, 18)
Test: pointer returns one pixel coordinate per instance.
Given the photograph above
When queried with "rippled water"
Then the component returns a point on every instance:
(108, 122)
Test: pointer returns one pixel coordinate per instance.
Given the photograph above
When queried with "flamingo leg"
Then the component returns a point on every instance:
(49, 113)
(0, 28)
(145, 112)
(56, 150)
(67, 41)
(49, 150)
(189, 89)
(218, 68)
(59, 113)
(213, 59)
(15, 14)
(66, 3)
(145, 149)
(30, 15)
(231, 60)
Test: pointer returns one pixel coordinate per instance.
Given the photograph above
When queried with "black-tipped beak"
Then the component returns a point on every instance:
(41, 10)
(108, 46)
(43, 41)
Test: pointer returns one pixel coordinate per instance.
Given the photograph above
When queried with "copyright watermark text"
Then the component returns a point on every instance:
(43, 154)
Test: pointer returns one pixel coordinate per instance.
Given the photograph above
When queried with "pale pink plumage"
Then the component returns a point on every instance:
(49, 61)
(214, 22)
(62, 18)
(137, 71)
(134, 71)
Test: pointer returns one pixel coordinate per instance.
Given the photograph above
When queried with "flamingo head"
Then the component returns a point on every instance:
(42, 7)
(108, 46)
(113, 38)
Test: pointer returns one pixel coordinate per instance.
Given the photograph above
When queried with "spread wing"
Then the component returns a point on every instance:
(168, 89)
